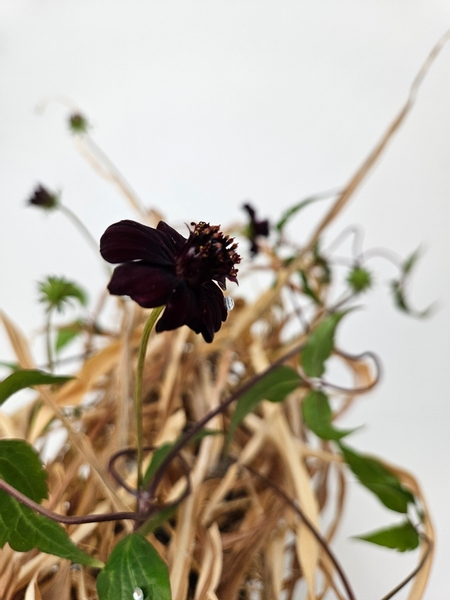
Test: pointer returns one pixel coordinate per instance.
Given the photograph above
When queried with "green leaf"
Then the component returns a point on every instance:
(158, 519)
(134, 563)
(9, 365)
(398, 287)
(379, 480)
(320, 345)
(402, 537)
(25, 378)
(307, 289)
(205, 433)
(66, 335)
(20, 526)
(398, 290)
(158, 456)
(318, 417)
(409, 262)
(293, 210)
(321, 264)
(21, 467)
(24, 530)
(56, 292)
(274, 386)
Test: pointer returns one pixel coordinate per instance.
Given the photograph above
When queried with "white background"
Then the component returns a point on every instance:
(206, 104)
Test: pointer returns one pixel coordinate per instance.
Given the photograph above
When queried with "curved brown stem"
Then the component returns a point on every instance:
(115, 474)
(360, 390)
(413, 573)
(147, 508)
(321, 541)
(73, 520)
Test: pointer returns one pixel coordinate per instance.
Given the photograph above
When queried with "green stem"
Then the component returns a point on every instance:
(48, 335)
(83, 230)
(138, 389)
(80, 226)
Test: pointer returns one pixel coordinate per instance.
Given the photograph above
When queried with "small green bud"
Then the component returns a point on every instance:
(359, 279)
(78, 123)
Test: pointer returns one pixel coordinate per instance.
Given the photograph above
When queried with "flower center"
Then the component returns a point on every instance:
(208, 254)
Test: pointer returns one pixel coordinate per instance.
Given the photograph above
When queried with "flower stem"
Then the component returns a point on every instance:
(138, 389)
(107, 169)
(48, 336)
(80, 226)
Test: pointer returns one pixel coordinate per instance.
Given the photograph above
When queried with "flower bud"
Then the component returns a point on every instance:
(43, 198)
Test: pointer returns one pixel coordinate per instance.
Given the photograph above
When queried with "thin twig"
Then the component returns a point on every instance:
(147, 506)
(73, 520)
(356, 390)
(322, 542)
(411, 576)
(361, 173)
(107, 169)
(81, 228)
(356, 231)
(115, 475)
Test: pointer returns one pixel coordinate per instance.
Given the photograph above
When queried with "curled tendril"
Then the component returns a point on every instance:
(146, 501)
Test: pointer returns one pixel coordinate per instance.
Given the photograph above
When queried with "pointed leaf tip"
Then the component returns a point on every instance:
(134, 566)
(318, 416)
(403, 537)
(25, 378)
(320, 345)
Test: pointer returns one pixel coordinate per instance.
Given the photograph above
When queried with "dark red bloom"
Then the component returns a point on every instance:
(161, 267)
(43, 198)
(255, 228)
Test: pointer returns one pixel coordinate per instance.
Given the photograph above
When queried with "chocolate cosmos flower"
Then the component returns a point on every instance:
(255, 228)
(160, 266)
(43, 198)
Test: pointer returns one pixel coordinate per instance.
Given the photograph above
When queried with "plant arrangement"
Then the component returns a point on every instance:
(203, 444)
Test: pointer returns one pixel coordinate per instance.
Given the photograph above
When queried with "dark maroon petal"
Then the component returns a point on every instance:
(212, 311)
(207, 326)
(127, 240)
(254, 248)
(250, 210)
(147, 285)
(262, 228)
(180, 304)
(178, 240)
(223, 282)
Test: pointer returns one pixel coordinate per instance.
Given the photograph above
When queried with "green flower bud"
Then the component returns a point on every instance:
(78, 124)
(359, 279)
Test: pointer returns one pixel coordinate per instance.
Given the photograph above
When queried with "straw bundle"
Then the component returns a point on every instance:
(248, 517)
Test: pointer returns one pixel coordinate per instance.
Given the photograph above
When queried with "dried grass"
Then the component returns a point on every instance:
(234, 533)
